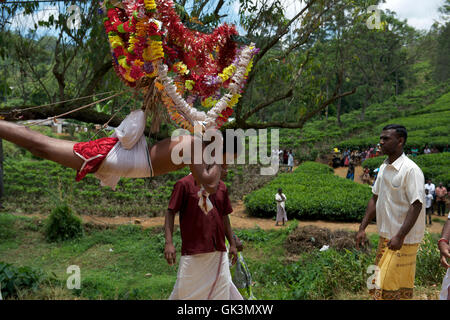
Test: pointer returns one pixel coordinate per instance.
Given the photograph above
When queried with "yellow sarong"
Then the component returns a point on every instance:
(397, 269)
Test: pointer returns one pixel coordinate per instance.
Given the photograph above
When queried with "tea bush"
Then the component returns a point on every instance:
(13, 279)
(313, 192)
(428, 269)
(7, 227)
(63, 225)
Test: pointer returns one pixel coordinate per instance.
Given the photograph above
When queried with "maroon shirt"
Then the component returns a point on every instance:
(200, 233)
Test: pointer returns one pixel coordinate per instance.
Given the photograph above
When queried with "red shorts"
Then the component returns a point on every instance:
(93, 153)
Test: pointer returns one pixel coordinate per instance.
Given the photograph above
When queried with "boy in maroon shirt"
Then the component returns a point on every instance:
(204, 268)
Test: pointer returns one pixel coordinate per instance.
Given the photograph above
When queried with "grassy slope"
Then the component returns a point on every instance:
(121, 274)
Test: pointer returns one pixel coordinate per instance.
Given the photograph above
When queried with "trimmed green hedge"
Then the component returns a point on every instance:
(434, 166)
(313, 192)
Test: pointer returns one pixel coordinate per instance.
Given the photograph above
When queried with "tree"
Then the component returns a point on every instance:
(304, 61)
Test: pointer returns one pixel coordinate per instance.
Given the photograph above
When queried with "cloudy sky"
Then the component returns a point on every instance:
(420, 14)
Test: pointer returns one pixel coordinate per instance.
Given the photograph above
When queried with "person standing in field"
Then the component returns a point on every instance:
(290, 161)
(432, 189)
(203, 272)
(351, 169)
(441, 193)
(428, 204)
(280, 198)
(444, 248)
(366, 175)
(398, 205)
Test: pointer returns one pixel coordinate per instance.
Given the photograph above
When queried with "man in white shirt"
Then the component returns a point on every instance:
(432, 190)
(398, 204)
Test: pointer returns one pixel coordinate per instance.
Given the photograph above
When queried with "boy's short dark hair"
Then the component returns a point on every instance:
(399, 130)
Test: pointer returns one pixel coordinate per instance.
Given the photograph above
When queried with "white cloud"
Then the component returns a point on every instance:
(419, 14)
(23, 22)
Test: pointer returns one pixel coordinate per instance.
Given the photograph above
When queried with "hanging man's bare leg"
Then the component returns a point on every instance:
(60, 151)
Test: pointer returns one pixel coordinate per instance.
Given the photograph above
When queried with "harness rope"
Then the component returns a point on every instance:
(74, 110)
(55, 103)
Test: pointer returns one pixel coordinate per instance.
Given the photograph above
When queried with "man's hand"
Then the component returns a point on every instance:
(444, 248)
(170, 254)
(360, 238)
(239, 245)
(232, 253)
(395, 243)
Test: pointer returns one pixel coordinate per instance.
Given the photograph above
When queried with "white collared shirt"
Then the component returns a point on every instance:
(431, 188)
(399, 185)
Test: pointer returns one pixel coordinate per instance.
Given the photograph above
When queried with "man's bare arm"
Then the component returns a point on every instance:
(169, 250)
(368, 217)
(229, 235)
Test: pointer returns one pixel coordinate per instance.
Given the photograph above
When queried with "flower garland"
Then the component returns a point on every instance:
(148, 39)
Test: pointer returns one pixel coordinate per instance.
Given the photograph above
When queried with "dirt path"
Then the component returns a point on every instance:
(239, 220)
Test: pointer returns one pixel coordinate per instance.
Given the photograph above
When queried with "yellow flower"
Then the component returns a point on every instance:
(132, 42)
(189, 84)
(234, 100)
(249, 67)
(123, 62)
(150, 4)
(138, 62)
(209, 102)
(128, 77)
(227, 73)
(181, 67)
(115, 41)
(153, 51)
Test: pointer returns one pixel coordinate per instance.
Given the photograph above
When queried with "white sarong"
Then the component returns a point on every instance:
(205, 276)
(129, 157)
(445, 286)
(281, 211)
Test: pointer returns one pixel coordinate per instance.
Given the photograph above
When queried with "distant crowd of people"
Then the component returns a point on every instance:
(435, 198)
(426, 150)
(345, 158)
(284, 157)
(351, 158)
